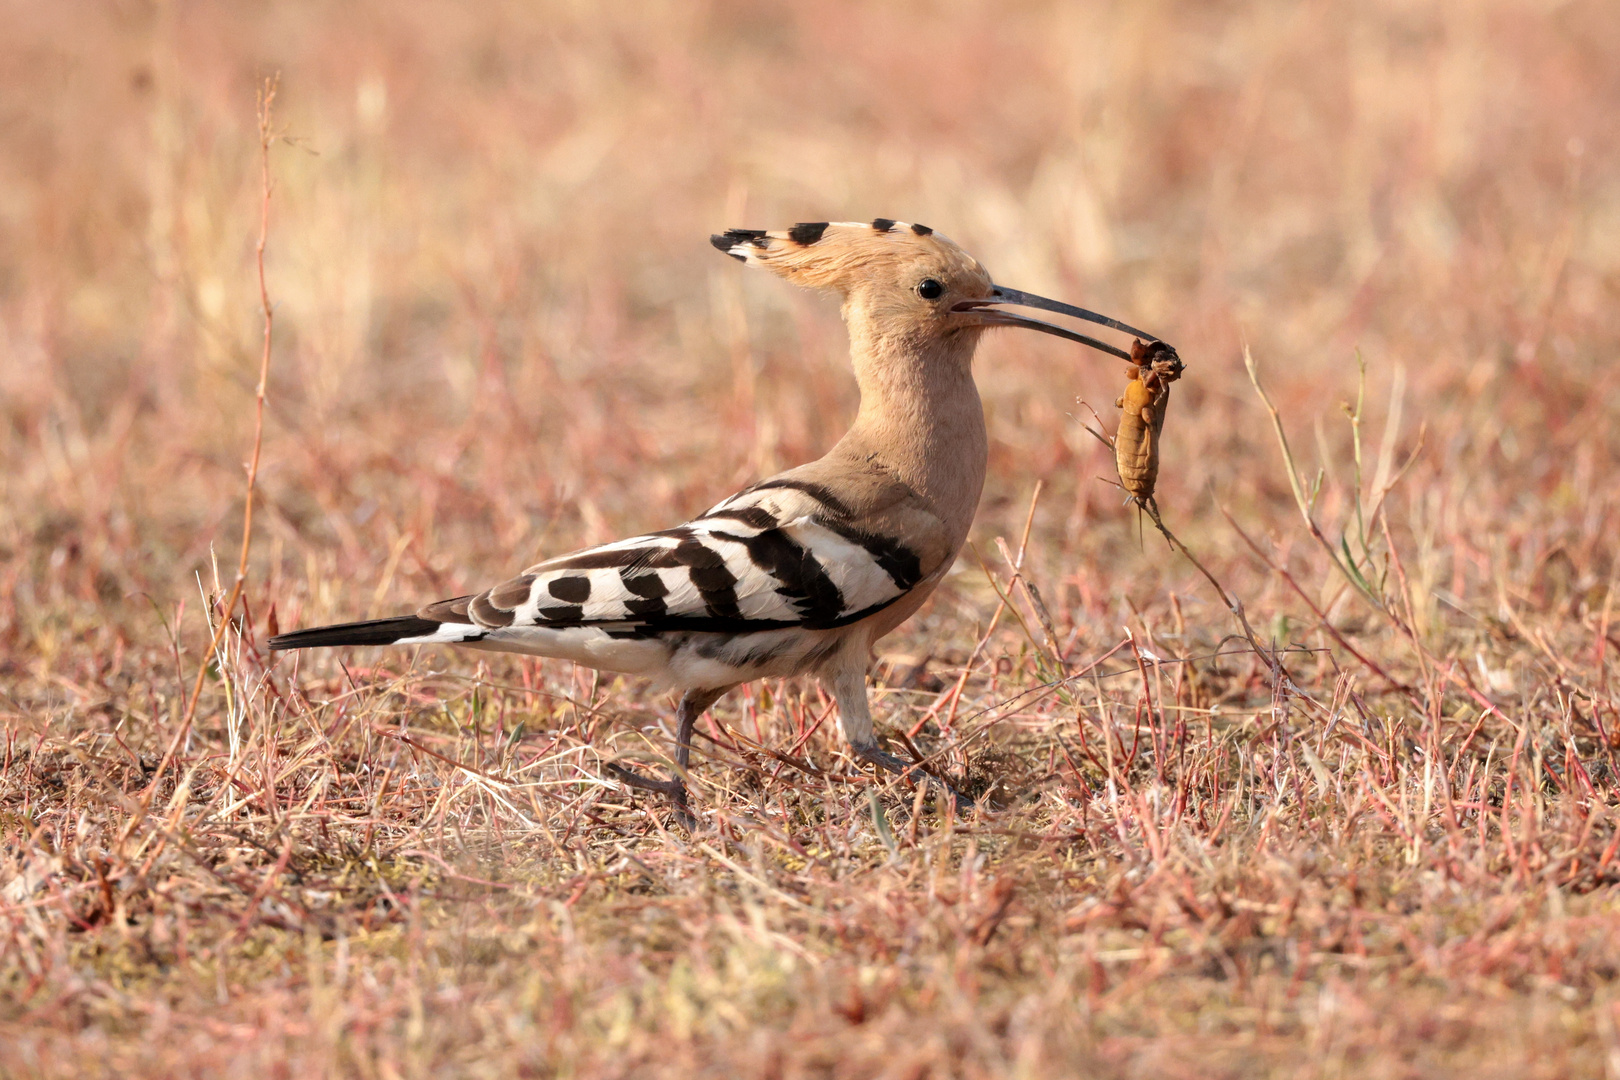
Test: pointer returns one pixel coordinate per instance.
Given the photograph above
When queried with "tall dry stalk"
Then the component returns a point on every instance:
(266, 112)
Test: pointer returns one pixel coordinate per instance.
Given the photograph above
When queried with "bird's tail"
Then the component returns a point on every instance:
(404, 630)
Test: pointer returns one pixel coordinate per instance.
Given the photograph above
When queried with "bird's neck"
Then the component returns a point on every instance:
(921, 419)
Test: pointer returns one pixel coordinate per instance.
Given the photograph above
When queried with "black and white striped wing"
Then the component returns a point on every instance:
(771, 558)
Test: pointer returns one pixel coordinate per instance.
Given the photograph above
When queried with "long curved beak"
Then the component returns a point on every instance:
(991, 312)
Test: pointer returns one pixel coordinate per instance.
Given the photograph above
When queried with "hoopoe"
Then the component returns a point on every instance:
(802, 572)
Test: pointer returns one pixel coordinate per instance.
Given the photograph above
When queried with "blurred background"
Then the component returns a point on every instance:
(501, 330)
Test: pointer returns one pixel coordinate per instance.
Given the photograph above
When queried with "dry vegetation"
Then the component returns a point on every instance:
(1387, 848)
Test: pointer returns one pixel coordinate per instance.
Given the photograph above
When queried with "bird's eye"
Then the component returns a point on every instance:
(929, 289)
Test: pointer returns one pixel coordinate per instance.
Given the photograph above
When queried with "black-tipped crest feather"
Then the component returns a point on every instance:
(807, 232)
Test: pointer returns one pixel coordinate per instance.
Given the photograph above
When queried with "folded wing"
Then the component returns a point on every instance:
(781, 554)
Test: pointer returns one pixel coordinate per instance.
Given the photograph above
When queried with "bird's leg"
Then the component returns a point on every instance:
(693, 703)
(848, 686)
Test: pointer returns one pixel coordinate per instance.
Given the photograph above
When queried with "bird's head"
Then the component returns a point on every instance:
(904, 282)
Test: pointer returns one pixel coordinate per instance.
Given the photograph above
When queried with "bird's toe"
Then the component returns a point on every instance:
(873, 754)
(671, 788)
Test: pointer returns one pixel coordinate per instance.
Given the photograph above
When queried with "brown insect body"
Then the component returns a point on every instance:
(1154, 367)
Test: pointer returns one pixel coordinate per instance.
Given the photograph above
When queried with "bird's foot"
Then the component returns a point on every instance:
(871, 753)
(672, 789)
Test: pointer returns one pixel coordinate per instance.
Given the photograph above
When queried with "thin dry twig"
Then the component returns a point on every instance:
(266, 117)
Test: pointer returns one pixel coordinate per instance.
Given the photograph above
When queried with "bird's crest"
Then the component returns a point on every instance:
(836, 254)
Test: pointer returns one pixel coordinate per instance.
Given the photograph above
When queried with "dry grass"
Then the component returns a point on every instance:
(1391, 852)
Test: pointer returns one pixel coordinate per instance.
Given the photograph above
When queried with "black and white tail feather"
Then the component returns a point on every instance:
(400, 630)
